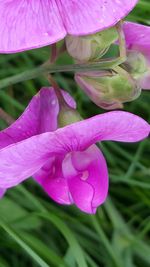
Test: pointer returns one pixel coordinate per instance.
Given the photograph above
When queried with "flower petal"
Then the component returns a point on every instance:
(97, 172)
(137, 37)
(29, 24)
(82, 17)
(50, 177)
(52, 19)
(69, 99)
(82, 194)
(23, 159)
(88, 183)
(145, 82)
(39, 116)
(115, 126)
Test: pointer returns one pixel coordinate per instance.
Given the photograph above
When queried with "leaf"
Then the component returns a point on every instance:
(41, 249)
(75, 247)
(23, 244)
(12, 213)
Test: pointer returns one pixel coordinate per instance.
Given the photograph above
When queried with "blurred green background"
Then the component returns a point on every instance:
(35, 231)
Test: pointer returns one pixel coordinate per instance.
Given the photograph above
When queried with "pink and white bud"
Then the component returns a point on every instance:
(139, 68)
(91, 47)
(107, 89)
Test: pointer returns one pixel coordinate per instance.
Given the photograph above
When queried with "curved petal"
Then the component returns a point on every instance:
(52, 19)
(145, 82)
(69, 99)
(97, 172)
(87, 178)
(23, 159)
(50, 177)
(82, 17)
(39, 116)
(137, 37)
(115, 126)
(29, 24)
(82, 194)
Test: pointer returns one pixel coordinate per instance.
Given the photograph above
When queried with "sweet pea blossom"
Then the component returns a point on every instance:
(27, 24)
(65, 161)
(138, 39)
(91, 47)
(110, 89)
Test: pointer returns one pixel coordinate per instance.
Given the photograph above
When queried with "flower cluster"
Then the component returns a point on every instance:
(50, 141)
(65, 161)
(110, 89)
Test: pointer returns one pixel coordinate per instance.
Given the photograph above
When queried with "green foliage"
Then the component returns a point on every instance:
(34, 231)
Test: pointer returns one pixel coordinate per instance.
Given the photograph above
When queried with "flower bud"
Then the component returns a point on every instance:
(137, 65)
(107, 89)
(67, 115)
(91, 47)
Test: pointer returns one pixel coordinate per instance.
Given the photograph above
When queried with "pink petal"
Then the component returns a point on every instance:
(51, 20)
(23, 159)
(115, 125)
(137, 38)
(82, 194)
(69, 99)
(145, 82)
(98, 173)
(39, 116)
(87, 178)
(50, 177)
(82, 17)
(29, 24)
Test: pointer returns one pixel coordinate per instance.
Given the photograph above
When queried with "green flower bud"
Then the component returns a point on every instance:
(136, 64)
(67, 115)
(107, 89)
(91, 47)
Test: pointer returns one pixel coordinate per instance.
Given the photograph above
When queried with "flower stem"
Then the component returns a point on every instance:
(6, 117)
(122, 41)
(49, 68)
(53, 53)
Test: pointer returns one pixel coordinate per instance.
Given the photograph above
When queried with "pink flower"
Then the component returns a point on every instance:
(65, 161)
(27, 24)
(138, 39)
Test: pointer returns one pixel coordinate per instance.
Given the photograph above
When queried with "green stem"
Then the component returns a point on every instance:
(122, 41)
(48, 68)
(23, 244)
(117, 261)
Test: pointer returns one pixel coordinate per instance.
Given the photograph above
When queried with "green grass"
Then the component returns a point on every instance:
(35, 231)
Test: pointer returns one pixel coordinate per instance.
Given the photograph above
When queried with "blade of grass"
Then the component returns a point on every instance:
(75, 247)
(23, 244)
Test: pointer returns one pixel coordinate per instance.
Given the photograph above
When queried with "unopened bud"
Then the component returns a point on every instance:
(107, 89)
(137, 65)
(91, 47)
(67, 115)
